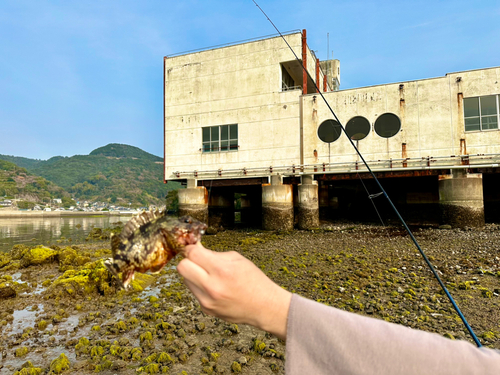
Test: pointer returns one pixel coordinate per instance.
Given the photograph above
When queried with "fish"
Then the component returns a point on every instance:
(149, 241)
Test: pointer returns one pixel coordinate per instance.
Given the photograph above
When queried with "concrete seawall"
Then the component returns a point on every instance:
(32, 214)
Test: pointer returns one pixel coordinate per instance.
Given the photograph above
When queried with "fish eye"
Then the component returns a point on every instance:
(188, 220)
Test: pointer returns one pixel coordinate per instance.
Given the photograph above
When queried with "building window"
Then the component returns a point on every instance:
(220, 138)
(287, 81)
(481, 113)
(329, 131)
(387, 125)
(357, 128)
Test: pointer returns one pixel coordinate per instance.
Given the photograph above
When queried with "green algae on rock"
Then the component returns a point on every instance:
(29, 369)
(38, 255)
(22, 351)
(91, 278)
(60, 364)
(4, 260)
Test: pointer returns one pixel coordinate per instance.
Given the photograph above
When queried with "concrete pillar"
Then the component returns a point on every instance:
(308, 203)
(461, 199)
(277, 205)
(193, 201)
(221, 207)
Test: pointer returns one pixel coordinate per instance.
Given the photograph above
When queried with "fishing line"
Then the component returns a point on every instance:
(414, 240)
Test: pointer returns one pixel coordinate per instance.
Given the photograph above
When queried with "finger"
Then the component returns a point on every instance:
(192, 272)
(202, 257)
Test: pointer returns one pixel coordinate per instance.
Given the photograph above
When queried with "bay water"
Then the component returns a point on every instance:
(61, 231)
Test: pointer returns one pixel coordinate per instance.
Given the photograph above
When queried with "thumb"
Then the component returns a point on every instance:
(200, 256)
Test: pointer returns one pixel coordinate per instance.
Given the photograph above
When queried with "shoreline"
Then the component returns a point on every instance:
(33, 214)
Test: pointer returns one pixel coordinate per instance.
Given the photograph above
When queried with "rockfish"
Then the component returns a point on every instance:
(149, 241)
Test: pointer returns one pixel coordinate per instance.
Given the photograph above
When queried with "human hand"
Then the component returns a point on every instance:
(231, 287)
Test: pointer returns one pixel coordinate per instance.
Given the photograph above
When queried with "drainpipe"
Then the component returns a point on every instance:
(317, 75)
(304, 62)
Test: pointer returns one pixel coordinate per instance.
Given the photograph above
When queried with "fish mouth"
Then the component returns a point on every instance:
(192, 237)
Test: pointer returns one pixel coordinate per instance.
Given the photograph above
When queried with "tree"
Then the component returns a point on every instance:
(172, 201)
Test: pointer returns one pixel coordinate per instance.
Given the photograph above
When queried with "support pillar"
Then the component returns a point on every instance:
(193, 201)
(308, 203)
(277, 205)
(461, 199)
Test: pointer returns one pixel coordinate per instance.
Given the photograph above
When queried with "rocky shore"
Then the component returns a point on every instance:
(61, 312)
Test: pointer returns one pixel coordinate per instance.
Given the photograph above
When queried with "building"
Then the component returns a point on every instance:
(246, 119)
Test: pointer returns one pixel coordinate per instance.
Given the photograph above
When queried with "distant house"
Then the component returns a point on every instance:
(6, 203)
(57, 200)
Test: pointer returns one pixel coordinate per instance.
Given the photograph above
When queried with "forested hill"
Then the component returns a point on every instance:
(17, 182)
(117, 150)
(116, 173)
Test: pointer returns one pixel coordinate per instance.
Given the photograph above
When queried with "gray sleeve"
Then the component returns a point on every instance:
(325, 340)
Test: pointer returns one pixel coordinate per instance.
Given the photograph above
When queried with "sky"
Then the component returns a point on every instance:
(78, 75)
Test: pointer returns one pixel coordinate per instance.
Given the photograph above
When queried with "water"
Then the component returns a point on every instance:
(50, 230)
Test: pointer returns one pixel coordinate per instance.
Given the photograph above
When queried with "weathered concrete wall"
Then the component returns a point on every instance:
(277, 207)
(461, 199)
(430, 110)
(238, 84)
(194, 202)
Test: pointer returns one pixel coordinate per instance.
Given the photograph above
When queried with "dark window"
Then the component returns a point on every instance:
(220, 138)
(387, 125)
(357, 128)
(287, 81)
(481, 113)
(329, 131)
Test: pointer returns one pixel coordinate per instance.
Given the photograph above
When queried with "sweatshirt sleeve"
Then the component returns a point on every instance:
(326, 340)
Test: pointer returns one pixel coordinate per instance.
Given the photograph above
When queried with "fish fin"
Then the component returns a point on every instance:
(115, 243)
(138, 221)
(141, 281)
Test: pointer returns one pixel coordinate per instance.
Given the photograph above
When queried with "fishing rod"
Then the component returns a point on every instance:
(431, 267)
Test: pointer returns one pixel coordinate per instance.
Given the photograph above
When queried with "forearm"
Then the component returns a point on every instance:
(321, 339)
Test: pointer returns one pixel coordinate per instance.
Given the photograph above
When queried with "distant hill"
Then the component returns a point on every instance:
(117, 150)
(21, 162)
(17, 182)
(116, 173)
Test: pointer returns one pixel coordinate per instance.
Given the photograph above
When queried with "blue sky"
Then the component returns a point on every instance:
(77, 75)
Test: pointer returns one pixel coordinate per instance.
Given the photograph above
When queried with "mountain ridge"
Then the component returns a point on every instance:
(115, 173)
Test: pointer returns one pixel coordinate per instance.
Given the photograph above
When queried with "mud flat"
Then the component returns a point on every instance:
(60, 311)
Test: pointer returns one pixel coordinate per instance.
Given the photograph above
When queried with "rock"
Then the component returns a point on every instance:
(4, 260)
(18, 251)
(236, 367)
(445, 227)
(7, 292)
(242, 360)
(212, 230)
(38, 255)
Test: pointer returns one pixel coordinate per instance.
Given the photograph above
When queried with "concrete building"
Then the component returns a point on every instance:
(246, 121)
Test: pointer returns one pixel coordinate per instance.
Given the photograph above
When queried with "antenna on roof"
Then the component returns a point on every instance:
(327, 45)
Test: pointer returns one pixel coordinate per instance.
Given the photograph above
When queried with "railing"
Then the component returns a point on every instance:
(387, 165)
(284, 88)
